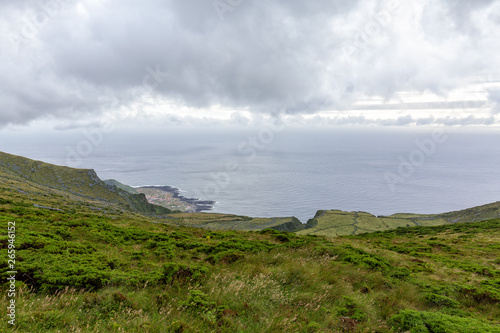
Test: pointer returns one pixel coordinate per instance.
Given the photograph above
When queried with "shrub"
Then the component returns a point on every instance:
(180, 235)
(350, 309)
(199, 303)
(242, 245)
(183, 273)
(366, 261)
(226, 257)
(164, 252)
(441, 301)
(112, 303)
(323, 250)
(196, 301)
(284, 238)
(187, 245)
(137, 255)
(350, 254)
(411, 248)
(162, 299)
(4, 201)
(484, 294)
(495, 283)
(400, 273)
(429, 322)
(269, 231)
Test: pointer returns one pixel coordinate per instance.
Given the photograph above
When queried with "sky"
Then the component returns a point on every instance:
(69, 64)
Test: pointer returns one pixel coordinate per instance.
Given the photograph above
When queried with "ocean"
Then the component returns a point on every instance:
(267, 172)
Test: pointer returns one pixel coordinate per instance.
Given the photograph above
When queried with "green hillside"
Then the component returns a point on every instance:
(88, 264)
(335, 223)
(81, 183)
(91, 270)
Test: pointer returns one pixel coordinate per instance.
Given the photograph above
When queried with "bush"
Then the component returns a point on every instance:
(107, 304)
(226, 257)
(322, 250)
(242, 245)
(91, 300)
(183, 273)
(284, 238)
(430, 322)
(164, 252)
(350, 254)
(350, 309)
(400, 273)
(411, 248)
(197, 301)
(162, 299)
(484, 294)
(4, 201)
(441, 301)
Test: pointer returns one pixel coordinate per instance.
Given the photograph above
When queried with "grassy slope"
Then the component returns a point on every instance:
(92, 270)
(80, 182)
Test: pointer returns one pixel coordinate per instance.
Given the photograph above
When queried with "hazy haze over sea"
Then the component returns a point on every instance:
(293, 171)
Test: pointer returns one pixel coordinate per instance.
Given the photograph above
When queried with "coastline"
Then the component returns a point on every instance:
(200, 205)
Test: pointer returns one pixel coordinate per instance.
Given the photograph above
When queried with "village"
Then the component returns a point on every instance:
(166, 199)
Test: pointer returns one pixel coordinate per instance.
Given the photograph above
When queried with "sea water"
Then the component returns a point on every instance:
(290, 172)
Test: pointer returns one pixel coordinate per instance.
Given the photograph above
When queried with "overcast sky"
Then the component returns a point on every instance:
(69, 63)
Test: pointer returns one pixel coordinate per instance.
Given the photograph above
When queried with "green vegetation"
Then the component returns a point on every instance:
(339, 223)
(90, 265)
(80, 184)
(83, 271)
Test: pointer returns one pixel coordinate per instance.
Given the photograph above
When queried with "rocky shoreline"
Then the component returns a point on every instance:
(201, 205)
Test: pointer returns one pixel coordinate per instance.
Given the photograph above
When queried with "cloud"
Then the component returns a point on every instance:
(75, 60)
(494, 96)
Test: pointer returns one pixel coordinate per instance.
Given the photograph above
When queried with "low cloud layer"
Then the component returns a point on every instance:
(71, 60)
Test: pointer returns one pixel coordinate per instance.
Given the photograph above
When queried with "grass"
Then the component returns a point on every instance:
(85, 272)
